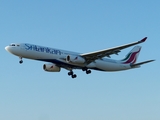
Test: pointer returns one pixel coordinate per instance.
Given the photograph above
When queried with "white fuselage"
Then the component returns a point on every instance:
(58, 57)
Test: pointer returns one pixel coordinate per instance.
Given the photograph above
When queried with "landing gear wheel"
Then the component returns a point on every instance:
(21, 61)
(70, 73)
(74, 76)
(88, 71)
(84, 69)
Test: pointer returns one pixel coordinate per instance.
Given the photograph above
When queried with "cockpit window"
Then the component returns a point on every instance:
(14, 45)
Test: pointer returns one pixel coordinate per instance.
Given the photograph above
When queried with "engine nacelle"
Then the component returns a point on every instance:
(51, 68)
(75, 59)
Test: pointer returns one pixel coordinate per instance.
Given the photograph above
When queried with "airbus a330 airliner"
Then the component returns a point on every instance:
(71, 60)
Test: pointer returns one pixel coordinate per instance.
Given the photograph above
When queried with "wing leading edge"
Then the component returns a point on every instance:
(107, 52)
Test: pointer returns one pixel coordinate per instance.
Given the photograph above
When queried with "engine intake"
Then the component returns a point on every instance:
(51, 68)
(75, 59)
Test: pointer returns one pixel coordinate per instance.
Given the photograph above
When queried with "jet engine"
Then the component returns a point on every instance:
(51, 68)
(75, 59)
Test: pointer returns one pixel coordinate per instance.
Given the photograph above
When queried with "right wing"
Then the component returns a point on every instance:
(92, 56)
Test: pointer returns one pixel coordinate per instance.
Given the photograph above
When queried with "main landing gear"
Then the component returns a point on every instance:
(72, 74)
(21, 61)
(87, 71)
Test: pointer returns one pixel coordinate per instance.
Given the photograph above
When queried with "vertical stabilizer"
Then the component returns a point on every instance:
(132, 56)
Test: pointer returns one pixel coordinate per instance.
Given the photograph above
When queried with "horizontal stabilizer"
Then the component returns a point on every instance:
(138, 64)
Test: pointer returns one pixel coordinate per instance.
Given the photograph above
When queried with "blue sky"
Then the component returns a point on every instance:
(29, 93)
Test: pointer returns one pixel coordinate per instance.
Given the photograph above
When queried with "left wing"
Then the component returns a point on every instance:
(107, 52)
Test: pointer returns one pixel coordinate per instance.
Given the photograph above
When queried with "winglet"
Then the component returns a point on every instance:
(143, 40)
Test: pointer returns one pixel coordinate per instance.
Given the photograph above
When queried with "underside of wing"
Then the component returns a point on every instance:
(107, 52)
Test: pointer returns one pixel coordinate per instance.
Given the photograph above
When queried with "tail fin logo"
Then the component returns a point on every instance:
(131, 57)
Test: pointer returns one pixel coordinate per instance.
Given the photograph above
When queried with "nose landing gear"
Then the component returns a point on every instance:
(21, 61)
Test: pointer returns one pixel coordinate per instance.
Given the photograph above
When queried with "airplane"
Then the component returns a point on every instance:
(98, 60)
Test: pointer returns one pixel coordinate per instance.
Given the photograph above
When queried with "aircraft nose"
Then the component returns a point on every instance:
(7, 48)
